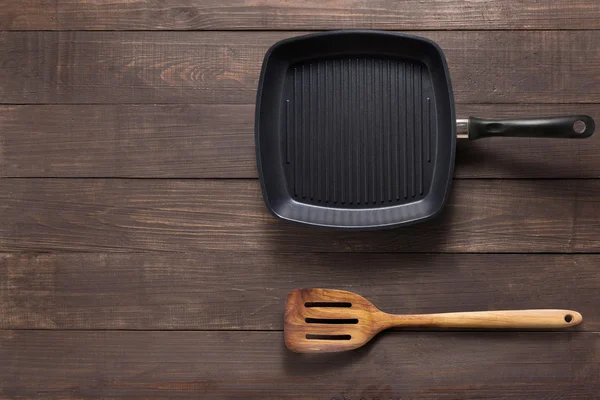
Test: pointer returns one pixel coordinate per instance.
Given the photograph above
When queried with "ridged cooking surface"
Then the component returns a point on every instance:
(358, 132)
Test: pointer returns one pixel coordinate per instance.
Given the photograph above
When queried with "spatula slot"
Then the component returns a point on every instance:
(331, 320)
(328, 337)
(309, 304)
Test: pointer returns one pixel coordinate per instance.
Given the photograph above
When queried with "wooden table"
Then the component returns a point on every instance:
(139, 261)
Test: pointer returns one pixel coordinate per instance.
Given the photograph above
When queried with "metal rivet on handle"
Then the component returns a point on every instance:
(579, 126)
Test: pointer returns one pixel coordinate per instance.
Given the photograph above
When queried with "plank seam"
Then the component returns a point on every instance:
(392, 330)
(292, 29)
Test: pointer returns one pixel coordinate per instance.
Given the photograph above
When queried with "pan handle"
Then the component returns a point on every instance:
(568, 127)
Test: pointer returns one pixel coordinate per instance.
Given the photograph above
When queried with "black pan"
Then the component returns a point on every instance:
(356, 129)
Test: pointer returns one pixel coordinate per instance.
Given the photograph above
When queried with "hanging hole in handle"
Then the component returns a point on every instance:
(568, 318)
(579, 126)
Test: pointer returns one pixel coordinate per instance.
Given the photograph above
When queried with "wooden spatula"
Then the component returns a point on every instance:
(326, 320)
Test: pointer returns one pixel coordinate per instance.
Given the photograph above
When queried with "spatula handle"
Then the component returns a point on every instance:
(491, 319)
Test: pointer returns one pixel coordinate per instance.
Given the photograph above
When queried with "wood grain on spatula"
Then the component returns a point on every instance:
(326, 320)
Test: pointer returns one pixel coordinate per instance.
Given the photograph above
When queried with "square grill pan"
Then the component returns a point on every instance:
(355, 129)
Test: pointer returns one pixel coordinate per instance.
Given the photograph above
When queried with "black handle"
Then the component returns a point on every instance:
(570, 127)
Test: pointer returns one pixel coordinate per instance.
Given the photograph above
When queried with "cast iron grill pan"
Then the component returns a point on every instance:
(356, 129)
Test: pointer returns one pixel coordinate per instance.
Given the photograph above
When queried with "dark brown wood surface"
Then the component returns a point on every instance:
(217, 141)
(227, 290)
(549, 216)
(137, 259)
(223, 67)
(432, 365)
(291, 15)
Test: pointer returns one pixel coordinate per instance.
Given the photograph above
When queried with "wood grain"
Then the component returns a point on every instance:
(247, 290)
(29, 15)
(185, 141)
(215, 365)
(305, 15)
(321, 320)
(162, 215)
(161, 288)
(217, 141)
(223, 67)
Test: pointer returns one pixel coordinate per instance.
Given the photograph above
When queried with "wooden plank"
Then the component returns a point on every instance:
(186, 141)
(217, 141)
(247, 291)
(215, 365)
(28, 15)
(223, 67)
(126, 215)
(305, 15)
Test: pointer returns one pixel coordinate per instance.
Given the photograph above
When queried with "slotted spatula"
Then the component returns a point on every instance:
(326, 320)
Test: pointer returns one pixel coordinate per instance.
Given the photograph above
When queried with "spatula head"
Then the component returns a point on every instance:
(327, 320)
